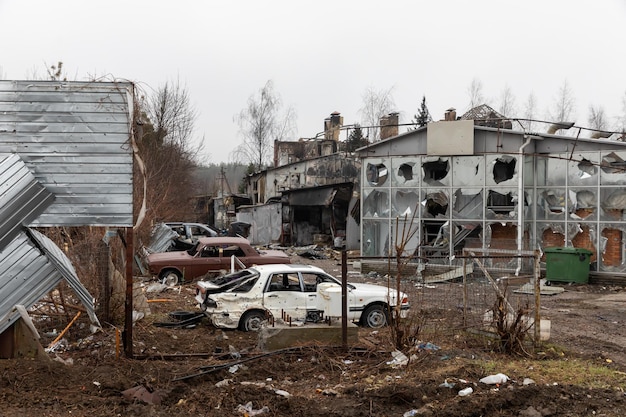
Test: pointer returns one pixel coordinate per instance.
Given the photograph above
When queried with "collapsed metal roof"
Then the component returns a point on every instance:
(31, 267)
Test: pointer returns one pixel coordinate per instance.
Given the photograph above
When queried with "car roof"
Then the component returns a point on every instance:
(271, 268)
(222, 240)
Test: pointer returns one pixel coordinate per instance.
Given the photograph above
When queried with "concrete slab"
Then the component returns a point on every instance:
(282, 336)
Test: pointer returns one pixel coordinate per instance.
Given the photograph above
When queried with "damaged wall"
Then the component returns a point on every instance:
(572, 196)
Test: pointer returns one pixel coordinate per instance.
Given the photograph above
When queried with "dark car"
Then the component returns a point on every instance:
(210, 254)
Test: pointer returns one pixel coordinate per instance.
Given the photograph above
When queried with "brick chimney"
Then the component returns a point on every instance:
(389, 126)
(450, 115)
(332, 126)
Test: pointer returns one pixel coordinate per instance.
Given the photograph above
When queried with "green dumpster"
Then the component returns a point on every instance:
(567, 264)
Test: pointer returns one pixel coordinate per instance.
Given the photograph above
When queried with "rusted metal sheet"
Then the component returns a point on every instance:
(75, 139)
(31, 266)
(22, 197)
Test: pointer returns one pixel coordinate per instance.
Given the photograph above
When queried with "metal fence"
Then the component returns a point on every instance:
(479, 296)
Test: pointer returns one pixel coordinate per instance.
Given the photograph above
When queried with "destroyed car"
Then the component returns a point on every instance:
(210, 254)
(295, 294)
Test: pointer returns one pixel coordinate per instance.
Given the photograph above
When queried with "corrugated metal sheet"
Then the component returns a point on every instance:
(74, 138)
(22, 197)
(161, 238)
(28, 274)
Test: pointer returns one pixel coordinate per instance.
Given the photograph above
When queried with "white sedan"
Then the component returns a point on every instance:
(296, 293)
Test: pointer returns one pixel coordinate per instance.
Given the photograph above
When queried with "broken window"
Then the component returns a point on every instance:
(613, 164)
(468, 203)
(501, 204)
(504, 169)
(435, 171)
(551, 203)
(405, 203)
(406, 171)
(586, 169)
(375, 204)
(613, 204)
(376, 174)
(435, 204)
(468, 170)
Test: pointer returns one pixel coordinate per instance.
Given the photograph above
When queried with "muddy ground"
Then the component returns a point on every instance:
(203, 371)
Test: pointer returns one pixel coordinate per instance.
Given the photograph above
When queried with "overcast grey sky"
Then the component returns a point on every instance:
(322, 55)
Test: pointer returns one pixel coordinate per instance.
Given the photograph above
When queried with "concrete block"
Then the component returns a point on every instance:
(282, 336)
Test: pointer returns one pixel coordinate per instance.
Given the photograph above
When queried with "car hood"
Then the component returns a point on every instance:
(364, 290)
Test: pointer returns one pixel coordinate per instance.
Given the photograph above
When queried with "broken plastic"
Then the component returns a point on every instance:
(494, 379)
(249, 411)
(466, 391)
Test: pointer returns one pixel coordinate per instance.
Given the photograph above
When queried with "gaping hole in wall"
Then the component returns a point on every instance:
(500, 203)
(435, 170)
(435, 205)
(584, 240)
(587, 169)
(504, 169)
(377, 174)
(613, 164)
(406, 171)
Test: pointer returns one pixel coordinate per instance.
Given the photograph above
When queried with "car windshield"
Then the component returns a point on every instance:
(194, 249)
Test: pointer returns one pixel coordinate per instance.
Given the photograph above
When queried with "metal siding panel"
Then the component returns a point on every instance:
(22, 198)
(74, 138)
(64, 266)
(25, 277)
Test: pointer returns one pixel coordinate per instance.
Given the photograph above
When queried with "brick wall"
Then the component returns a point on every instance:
(613, 252)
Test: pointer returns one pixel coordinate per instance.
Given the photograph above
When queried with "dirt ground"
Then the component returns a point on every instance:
(203, 371)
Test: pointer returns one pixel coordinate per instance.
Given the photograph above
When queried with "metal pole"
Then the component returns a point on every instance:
(128, 316)
(344, 299)
(537, 279)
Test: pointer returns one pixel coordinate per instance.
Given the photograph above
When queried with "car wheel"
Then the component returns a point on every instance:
(375, 316)
(170, 277)
(252, 321)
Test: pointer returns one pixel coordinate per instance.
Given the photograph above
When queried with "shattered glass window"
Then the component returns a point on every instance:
(376, 174)
(583, 170)
(468, 170)
(468, 203)
(613, 168)
(375, 203)
(405, 172)
(501, 170)
(436, 172)
(375, 238)
(405, 202)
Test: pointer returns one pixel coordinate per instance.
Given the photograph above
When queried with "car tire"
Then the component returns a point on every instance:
(375, 316)
(171, 277)
(252, 321)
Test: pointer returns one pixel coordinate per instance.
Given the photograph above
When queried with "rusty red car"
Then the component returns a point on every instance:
(210, 255)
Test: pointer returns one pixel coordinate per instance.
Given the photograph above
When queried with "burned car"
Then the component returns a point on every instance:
(210, 254)
(304, 293)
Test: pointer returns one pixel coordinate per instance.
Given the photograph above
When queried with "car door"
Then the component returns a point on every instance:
(205, 260)
(284, 297)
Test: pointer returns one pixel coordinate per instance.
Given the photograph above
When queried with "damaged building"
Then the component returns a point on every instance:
(460, 183)
(307, 196)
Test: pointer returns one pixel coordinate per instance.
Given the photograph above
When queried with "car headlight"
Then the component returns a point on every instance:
(210, 303)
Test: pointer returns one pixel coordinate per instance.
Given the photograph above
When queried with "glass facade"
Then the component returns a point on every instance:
(442, 203)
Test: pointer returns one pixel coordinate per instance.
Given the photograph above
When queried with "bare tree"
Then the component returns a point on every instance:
(597, 118)
(173, 116)
(507, 102)
(564, 105)
(376, 104)
(475, 92)
(165, 146)
(260, 123)
(530, 110)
